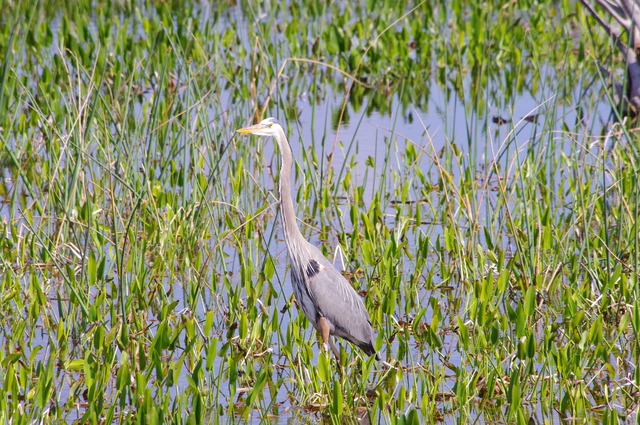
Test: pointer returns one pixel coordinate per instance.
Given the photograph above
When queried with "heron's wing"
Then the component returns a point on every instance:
(336, 300)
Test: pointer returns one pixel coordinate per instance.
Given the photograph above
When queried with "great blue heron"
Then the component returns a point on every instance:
(325, 296)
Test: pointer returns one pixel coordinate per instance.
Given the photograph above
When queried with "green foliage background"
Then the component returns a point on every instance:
(141, 275)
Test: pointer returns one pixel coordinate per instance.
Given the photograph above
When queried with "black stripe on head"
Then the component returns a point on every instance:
(313, 268)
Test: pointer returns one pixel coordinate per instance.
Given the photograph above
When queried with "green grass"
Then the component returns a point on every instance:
(143, 273)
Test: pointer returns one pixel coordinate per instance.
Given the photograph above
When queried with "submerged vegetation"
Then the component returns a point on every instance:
(142, 268)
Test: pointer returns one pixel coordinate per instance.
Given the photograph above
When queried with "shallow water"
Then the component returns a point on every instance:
(366, 138)
(371, 148)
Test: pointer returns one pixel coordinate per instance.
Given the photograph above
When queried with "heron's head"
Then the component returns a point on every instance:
(267, 127)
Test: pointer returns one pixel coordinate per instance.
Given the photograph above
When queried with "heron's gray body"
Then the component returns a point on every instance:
(321, 291)
(324, 295)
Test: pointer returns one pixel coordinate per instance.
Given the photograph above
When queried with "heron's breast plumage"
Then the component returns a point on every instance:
(303, 295)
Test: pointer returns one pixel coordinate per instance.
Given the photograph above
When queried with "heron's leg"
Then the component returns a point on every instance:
(334, 349)
(325, 329)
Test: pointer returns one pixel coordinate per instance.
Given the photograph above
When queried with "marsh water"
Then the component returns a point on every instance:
(145, 275)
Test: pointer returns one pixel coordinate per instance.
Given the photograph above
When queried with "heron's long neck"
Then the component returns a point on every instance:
(292, 233)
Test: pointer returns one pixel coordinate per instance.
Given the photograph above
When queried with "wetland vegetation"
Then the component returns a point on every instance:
(465, 157)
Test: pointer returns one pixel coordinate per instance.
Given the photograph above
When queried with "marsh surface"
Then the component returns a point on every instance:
(463, 161)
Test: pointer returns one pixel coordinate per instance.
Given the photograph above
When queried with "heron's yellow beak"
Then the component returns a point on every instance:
(249, 129)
